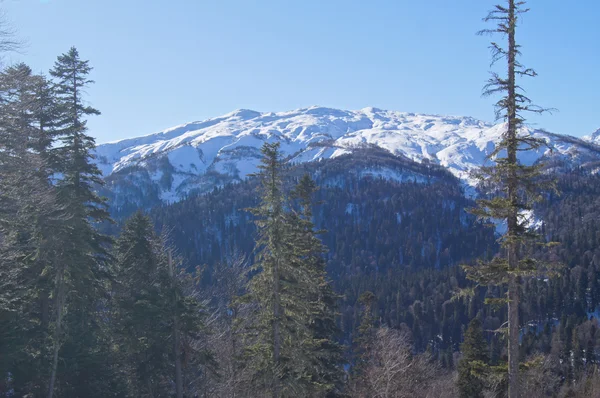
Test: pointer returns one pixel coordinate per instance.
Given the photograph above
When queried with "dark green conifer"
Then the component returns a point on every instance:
(141, 309)
(474, 360)
(325, 370)
(513, 186)
(280, 340)
(155, 321)
(80, 273)
(29, 221)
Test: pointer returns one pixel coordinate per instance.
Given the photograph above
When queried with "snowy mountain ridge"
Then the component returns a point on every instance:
(594, 137)
(197, 156)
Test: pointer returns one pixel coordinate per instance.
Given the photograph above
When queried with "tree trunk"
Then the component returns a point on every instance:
(177, 344)
(60, 292)
(512, 221)
(276, 304)
(232, 369)
(44, 309)
(276, 336)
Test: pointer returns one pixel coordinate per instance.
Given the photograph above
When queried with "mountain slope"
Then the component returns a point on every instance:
(594, 137)
(196, 157)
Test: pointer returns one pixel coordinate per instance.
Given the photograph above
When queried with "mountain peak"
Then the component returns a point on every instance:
(243, 114)
(594, 137)
(183, 158)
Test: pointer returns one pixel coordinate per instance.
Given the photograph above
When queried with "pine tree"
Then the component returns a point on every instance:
(156, 321)
(278, 353)
(327, 358)
(474, 358)
(29, 222)
(141, 309)
(366, 331)
(80, 175)
(80, 273)
(513, 185)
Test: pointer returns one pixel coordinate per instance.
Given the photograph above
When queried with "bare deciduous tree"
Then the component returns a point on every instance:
(393, 371)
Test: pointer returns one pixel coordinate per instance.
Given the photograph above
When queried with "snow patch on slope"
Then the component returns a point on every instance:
(230, 145)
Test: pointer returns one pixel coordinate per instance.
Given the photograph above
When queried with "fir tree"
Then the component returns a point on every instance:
(155, 320)
(141, 309)
(80, 175)
(474, 358)
(30, 220)
(280, 348)
(366, 329)
(80, 273)
(513, 185)
(326, 352)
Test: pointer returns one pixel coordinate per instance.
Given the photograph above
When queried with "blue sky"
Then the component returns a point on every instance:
(160, 63)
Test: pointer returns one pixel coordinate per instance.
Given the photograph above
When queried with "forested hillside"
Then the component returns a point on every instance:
(315, 253)
(404, 241)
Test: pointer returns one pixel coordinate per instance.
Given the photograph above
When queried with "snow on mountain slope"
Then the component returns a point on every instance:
(594, 137)
(197, 156)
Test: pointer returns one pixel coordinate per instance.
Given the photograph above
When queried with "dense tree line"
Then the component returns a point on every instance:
(373, 224)
(419, 298)
(80, 316)
(85, 314)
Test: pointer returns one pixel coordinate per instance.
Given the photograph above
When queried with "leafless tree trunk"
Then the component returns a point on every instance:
(8, 40)
(393, 371)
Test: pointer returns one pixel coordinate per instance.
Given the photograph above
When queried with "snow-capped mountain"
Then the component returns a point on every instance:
(594, 137)
(199, 155)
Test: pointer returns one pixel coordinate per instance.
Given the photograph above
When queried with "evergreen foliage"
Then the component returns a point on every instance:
(514, 187)
(281, 340)
(29, 221)
(80, 272)
(474, 351)
(150, 307)
(141, 309)
(326, 356)
(83, 317)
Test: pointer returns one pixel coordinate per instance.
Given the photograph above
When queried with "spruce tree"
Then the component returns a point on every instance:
(80, 176)
(155, 320)
(141, 309)
(80, 274)
(514, 186)
(278, 352)
(366, 330)
(474, 359)
(326, 372)
(29, 222)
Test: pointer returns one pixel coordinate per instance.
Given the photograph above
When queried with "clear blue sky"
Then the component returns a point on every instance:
(160, 63)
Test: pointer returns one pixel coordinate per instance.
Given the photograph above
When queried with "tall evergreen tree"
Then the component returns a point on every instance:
(29, 222)
(475, 358)
(80, 275)
(154, 319)
(80, 176)
(278, 352)
(141, 309)
(366, 330)
(513, 186)
(326, 372)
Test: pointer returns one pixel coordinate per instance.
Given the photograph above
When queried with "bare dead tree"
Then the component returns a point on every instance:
(9, 42)
(393, 371)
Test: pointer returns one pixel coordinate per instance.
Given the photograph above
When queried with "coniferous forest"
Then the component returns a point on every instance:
(303, 280)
